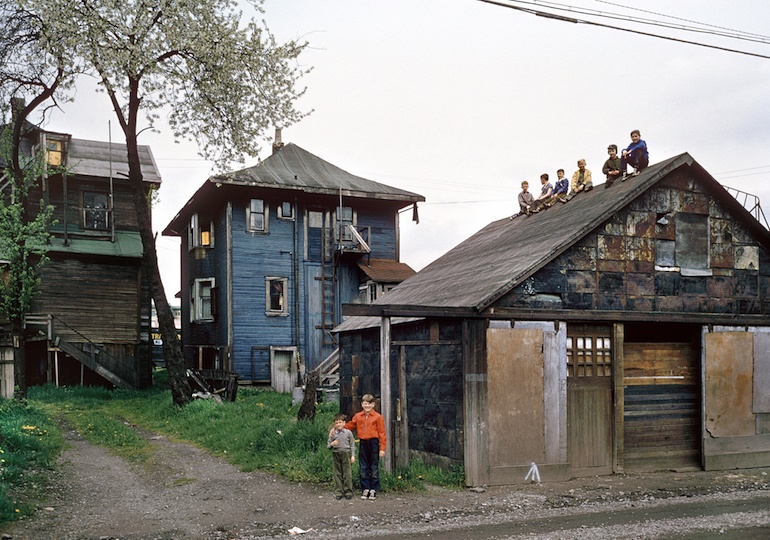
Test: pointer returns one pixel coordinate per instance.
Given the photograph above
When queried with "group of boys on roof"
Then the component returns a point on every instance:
(615, 167)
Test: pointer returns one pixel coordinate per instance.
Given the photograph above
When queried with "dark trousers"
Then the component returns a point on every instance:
(369, 463)
(343, 478)
(636, 159)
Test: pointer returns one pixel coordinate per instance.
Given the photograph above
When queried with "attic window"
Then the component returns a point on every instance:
(96, 213)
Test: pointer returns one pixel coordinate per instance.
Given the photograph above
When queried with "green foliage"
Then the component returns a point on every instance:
(23, 235)
(30, 441)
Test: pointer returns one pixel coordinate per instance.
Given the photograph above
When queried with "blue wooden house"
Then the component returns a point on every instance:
(270, 253)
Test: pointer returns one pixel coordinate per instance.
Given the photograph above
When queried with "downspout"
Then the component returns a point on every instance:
(229, 280)
(110, 213)
(297, 338)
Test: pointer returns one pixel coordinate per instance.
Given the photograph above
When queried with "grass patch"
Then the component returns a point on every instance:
(30, 441)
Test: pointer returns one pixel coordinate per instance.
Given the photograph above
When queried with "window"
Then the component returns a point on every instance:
(276, 300)
(202, 300)
(201, 232)
(256, 216)
(344, 221)
(286, 211)
(589, 353)
(53, 152)
(96, 213)
(692, 241)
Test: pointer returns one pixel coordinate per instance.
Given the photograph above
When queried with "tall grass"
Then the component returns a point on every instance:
(30, 441)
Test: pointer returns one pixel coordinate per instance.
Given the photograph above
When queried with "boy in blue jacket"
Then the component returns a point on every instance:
(635, 155)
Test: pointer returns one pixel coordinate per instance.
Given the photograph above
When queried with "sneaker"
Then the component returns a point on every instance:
(348, 496)
(337, 496)
(365, 494)
(372, 495)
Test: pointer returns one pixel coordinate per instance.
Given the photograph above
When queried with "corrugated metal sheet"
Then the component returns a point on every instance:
(497, 258)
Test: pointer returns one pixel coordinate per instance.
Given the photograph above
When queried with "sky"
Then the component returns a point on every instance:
(462, 100)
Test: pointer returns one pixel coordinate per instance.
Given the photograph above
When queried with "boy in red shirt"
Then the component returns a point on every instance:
(370, 429)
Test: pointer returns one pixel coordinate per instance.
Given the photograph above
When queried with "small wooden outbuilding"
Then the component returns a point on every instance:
(628, 329)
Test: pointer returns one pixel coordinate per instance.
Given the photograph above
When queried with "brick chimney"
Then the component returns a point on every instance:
(277, 143)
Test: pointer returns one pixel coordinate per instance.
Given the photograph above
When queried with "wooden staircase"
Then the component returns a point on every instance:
(329, 370)
(89, 359)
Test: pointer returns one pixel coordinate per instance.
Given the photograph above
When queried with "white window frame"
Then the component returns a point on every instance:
(102, 214)
(280, 211)
(283, 309)
(198, 236)
(250, 211)
(198, 308)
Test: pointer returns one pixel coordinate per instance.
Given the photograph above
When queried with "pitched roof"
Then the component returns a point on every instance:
(385, 270)
(496, 259)
(96, 158)
(293, 168)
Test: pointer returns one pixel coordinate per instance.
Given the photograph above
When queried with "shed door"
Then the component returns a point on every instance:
(589, 399)
(661, 406)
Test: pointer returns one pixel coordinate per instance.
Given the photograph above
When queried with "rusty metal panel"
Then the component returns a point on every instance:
(721, 230)
(729, 384)
(665, 253)
(516, 396)
(581, 282)
(694, 203)
(640, 303)
(611, 247)
(610, 266)
(722, 255)
(641, 224)
(761, 373)
(642, 267)
(641, 249)
(746, 257)
(668, 303)
(579, 258)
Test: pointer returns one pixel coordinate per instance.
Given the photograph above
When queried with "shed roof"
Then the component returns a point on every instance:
(98, 158)
(483, 268)
(294, 168)
(385, 270)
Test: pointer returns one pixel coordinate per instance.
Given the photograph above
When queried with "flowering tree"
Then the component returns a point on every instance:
(220, 79)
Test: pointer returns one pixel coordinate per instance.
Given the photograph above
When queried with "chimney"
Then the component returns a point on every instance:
(277, 143)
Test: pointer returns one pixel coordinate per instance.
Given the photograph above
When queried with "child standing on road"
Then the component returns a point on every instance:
(370, 428)
(343, 447)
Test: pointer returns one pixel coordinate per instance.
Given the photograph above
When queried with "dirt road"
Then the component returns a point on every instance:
(187, 494)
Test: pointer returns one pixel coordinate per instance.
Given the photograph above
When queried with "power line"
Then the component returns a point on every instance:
(601, 25)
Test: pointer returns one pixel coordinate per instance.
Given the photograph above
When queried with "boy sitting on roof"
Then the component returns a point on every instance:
(635, 155)
(525, 199)
(612, 166)
(581, 180)
(545, 193)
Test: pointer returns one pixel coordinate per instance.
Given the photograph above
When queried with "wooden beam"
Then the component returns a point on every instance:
(385, 400)
(618, 432)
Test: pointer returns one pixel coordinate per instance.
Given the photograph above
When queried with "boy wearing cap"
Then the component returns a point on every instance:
(612, 166)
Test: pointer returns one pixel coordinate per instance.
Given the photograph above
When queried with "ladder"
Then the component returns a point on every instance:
(328, 292)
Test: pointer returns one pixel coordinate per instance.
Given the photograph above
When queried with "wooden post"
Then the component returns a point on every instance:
(385, 401)
(475, 443)
(402, 450)
(618, 396)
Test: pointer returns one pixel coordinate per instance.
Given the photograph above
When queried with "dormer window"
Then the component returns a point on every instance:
(54, 152)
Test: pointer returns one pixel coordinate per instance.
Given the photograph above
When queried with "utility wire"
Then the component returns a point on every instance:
(682, 19)
(600, 25)
(733, 34)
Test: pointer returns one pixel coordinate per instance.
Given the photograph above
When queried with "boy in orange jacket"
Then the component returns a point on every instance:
(370, 429)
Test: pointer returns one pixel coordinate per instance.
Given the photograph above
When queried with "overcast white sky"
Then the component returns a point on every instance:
(460, 101)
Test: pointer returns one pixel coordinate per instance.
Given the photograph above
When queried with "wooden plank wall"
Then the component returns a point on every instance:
(661, 406)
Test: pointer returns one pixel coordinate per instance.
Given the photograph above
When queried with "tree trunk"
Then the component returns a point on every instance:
(19, 359)
(307, 409)
(181, 392)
